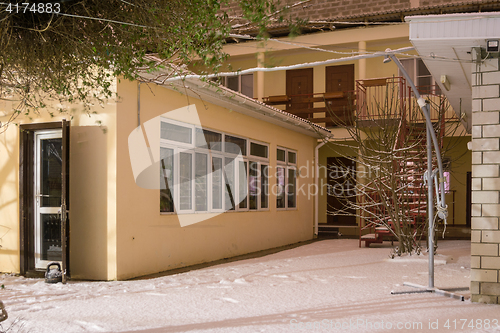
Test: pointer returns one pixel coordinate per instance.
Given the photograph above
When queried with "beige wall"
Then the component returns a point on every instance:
(148, 242)
(338, 44)
(91, 192)
(93, 196)
(460, 156)
(9, 197)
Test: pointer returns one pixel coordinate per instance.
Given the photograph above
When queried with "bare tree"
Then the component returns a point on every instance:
(389, 136)
(70, 52)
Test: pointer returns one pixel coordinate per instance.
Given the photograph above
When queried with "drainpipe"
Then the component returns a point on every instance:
(316, 182)
(139, 104)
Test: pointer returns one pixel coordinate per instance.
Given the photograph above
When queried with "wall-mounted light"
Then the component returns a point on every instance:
(446, 83)
(492, 45)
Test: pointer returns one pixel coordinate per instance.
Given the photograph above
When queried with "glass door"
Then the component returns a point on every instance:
(48, 167)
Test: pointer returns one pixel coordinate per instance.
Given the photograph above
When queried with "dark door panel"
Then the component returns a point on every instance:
(299, 82)
(341, 189)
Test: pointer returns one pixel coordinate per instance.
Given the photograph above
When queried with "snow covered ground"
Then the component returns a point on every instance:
(325, 286)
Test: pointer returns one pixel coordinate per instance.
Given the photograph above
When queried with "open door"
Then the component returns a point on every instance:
(65, 199)
(43, 178)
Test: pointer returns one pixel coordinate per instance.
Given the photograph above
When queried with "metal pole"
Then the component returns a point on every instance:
(431, 139)
(430, 209)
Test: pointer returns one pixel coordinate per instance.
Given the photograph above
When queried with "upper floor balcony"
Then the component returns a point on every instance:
(372, 101)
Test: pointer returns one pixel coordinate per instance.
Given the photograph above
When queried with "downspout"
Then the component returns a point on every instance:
(139, 104)
(316, 182)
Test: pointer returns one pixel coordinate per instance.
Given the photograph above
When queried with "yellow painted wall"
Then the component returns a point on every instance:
(92, 178)
(148, 242)
(93, 196)
(333, 45)
(9, 200)
(461, 159)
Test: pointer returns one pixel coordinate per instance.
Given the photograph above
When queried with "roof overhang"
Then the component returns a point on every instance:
(219, 95)
(445, 42)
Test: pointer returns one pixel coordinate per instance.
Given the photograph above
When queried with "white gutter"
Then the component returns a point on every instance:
(316, 182)
(266, 112)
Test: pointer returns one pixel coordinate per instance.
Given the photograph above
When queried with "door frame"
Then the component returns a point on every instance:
(38, 209)
(26, 195)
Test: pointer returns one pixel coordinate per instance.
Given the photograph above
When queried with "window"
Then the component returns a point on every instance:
(217, 183)
(202, 171)
(208, 139)
(258, 150)
(240, 83)
(421, 76)
(234, 144)
(175, 132)
(286, 179)
(185, 178)
(166, 181)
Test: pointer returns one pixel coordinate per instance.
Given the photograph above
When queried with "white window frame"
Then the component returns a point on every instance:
(208, 173)
(175, 190)
(177, 183)
(223, 186)
(287, 165)
(260, 161)
(191, 149)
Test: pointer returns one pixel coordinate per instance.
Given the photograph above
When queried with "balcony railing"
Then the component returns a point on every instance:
(386, 98)
(380, 98)
(329, 109)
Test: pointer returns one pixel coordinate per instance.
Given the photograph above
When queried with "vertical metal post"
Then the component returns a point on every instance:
(430, 206)
(431, 140)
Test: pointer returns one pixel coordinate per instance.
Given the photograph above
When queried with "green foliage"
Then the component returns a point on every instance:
(75, 55)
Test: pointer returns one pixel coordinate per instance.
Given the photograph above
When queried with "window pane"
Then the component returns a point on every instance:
(208, 139)
(167, 180)
(200, 182)
(264, 186)
(242, 182)
(175, 132)
(280, 187)
(253, 183)
(281, 155)
(247, 85)
(409, 66)
(291, 191)
(229, 191)
(422, 69)
(234, 145)
(232, 82)
(424, 84)
(50, 169)
(292, 157)
(258, 150)
(185, 178)
(216, 183)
